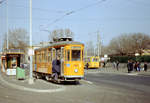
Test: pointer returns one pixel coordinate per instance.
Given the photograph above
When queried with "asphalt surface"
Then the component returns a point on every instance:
(97, 88)
(136, 85)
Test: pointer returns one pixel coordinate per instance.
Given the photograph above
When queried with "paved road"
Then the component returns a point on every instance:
(105, 88)
(135, 88)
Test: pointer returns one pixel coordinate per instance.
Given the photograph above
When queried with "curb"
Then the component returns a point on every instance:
(120, 73)
(61, 88)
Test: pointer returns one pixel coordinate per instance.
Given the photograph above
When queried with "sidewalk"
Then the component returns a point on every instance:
(120, 71)
(38, 86)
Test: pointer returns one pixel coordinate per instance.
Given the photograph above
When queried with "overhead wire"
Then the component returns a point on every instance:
(74, 11)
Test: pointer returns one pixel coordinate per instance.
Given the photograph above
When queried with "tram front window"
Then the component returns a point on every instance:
(95, 60)
(76, 55)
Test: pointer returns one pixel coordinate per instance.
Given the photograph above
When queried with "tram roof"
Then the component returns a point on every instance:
(13, 51)
(62, 43)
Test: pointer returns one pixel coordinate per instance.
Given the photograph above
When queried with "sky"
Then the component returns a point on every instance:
(110, 17)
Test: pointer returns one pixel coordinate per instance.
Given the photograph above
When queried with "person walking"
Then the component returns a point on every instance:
(138, 66)
(117, 65)
(145, 66)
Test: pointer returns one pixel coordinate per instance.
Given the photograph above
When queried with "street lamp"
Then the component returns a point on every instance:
(6, 20)
(31, 49)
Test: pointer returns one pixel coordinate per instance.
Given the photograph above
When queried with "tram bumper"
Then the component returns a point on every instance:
(73, 78)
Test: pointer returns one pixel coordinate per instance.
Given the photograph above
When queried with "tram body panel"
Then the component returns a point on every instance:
(74, 69)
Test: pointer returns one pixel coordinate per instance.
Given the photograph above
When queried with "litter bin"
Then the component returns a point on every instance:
(20, 74)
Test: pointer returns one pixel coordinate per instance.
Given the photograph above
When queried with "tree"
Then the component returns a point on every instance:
(60, 33)
(17, 39)
(129, 43)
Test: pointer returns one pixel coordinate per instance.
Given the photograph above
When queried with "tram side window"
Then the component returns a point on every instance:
(40, 57)
(54, 54)
(76, 55)
(45, 56)
(49, 56)
(37, 59)
(68, 55)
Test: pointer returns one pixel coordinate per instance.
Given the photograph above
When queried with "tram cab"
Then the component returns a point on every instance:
(92, 61)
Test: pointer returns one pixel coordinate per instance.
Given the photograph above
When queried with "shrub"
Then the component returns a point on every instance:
(124, 59)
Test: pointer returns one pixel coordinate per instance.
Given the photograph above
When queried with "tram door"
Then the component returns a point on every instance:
(62, 61)
(53, 54)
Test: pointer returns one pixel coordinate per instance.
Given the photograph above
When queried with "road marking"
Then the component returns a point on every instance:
(86, 81)
(132, 74)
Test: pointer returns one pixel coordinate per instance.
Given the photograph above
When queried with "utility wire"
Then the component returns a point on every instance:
(74, 11)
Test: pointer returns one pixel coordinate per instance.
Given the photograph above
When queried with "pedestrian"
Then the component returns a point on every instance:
(104, 63)
(145, 66)
(56, 68)
(138, 66)
(135, 66)
(117, 65)
(130, 66)
(87, 66)
(114, 64)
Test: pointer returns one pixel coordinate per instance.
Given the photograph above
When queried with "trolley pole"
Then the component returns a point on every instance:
(30, 49)
(98, 44)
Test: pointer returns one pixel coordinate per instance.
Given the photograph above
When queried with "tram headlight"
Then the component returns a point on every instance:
(76, 70)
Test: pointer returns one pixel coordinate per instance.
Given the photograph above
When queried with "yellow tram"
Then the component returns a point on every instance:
(71, 59)
(93, 62)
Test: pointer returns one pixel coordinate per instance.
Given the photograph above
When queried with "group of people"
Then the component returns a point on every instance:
(136, 66)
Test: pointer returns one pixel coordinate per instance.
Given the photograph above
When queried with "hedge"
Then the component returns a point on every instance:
(124, 59)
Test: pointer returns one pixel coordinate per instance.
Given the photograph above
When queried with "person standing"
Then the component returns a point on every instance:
(114, 64)
(135, 66)
(138, 66)
(145, 66)
(117, 65)
(128, 66)
(56, 68)
(87, 66)
(104, 63)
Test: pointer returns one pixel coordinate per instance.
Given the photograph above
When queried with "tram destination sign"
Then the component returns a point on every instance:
(76, 47)
(13, 55)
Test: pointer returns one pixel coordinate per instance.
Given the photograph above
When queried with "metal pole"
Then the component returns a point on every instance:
(31, 77)
(7, 22)
(98, 43)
